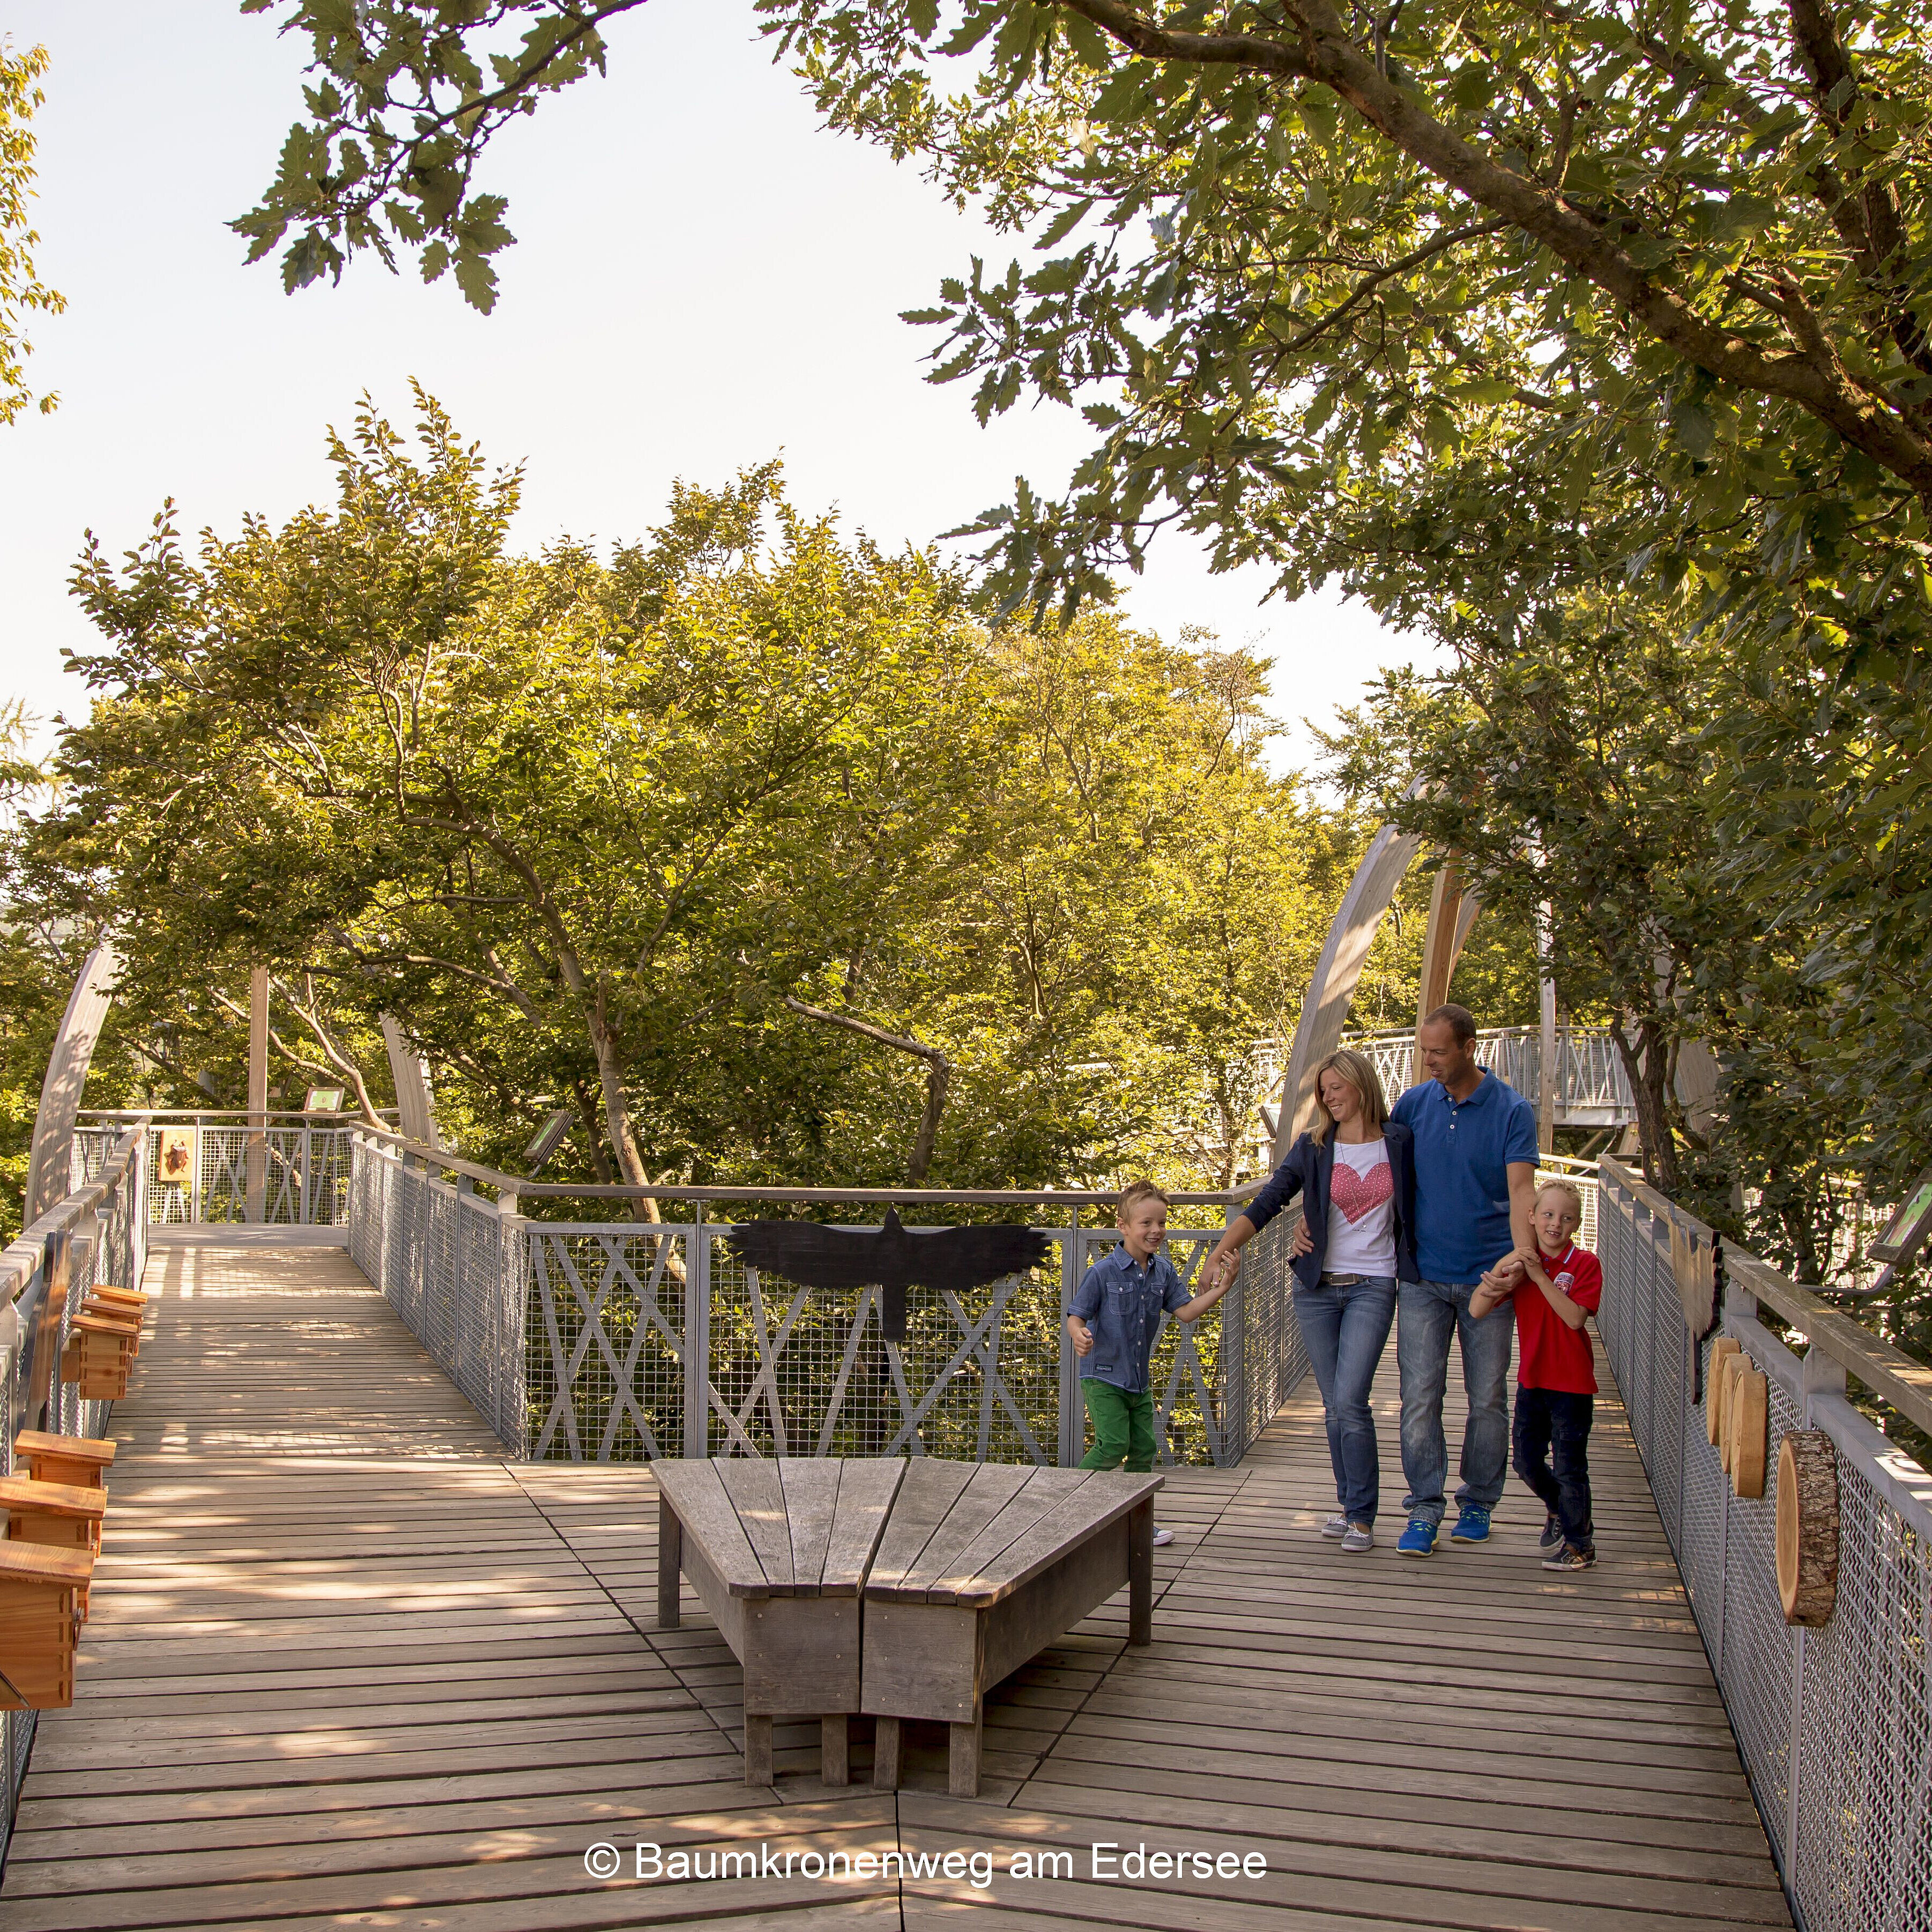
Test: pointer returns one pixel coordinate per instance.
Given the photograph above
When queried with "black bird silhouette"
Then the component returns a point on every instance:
(955, 1258)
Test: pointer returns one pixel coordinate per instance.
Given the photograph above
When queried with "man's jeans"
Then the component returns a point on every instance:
(1345, 1329)
(1431, 1311)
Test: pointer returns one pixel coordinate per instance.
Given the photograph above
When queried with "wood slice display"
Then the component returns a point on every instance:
(1749, 1429)
(1807, 1527)
(1714, 1415)
(1728, 1370)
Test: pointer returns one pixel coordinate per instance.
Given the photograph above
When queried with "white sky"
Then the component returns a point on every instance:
(704, 278)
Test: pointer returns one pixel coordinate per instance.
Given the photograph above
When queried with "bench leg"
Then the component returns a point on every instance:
(670, 1561)
(835, 1750)
(757, 1750)
(962, 1758)
(885, 1755)
(1140, 1572)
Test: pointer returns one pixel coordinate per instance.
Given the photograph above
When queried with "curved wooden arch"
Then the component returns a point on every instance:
(1325, 1008)
(50, 1163)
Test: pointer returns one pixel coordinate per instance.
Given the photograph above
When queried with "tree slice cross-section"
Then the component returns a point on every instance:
(1749, 1429)
(1807, 1527)
(1714, 1415)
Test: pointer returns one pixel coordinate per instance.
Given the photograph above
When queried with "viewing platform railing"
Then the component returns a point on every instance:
(98, 1235)
(1592, 1088)
(1834, 1721)
(617, 1340)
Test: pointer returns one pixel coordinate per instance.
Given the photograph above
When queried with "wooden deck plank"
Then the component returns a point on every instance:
(347, 1665)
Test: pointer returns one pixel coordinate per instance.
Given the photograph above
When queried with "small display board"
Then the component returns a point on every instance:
(174, 1157)
(548, 1139)
(1908, 1228)
(323, 1100)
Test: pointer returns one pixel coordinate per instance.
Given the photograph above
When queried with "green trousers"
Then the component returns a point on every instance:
(1123, 1423)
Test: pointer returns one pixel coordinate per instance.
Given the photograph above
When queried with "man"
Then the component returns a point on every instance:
(1475, 1192)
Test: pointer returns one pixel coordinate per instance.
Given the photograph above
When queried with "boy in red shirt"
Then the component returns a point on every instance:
(1556, 1379)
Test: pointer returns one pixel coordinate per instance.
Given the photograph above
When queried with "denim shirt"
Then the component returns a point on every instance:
(1122, 1303)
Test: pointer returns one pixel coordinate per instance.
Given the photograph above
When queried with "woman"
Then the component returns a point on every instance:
(1355, 1172)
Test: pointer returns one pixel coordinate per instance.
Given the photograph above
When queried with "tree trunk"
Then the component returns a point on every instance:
(1646, 1065)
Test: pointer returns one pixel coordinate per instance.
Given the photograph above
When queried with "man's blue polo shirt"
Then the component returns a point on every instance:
(1122, 1302)
(1463, 1149)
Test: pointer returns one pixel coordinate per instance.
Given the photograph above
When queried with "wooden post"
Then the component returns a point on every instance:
(1442, 946)
(255, 1203)
(962, 1757)
(886, 1746)
(1545, 1081)
(757, 1750)
(834, 1749)
(1140, 1574)
(670, 1561)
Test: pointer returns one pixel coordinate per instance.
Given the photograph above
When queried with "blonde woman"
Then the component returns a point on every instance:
(1355, 1172)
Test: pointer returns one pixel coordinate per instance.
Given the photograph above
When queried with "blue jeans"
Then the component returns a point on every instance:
(1433, 1312)
(1345, 1329)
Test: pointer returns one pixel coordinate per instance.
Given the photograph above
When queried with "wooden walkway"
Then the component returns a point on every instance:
(348, 1667)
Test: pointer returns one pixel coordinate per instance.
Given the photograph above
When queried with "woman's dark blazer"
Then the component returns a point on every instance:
(1307, 1171)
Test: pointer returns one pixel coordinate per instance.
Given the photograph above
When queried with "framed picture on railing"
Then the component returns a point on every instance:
(323, 1100)
(174, 1156)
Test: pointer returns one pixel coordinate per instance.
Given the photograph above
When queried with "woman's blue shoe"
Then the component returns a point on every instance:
(1472, 1525)
(1418, 1539)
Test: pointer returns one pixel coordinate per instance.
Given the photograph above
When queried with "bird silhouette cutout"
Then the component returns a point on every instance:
(889, 1255)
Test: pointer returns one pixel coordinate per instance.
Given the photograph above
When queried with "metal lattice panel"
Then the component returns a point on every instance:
(606, 1352)
(1864, 1851)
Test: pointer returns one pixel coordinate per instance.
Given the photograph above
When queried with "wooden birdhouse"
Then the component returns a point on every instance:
(41, 1591)
(81, 1462)
(97, 1357)
(56, 1514)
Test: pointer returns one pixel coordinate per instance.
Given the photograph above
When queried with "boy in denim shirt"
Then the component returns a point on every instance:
(1116, 1315)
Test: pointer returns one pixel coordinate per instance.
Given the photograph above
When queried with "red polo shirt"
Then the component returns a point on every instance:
(1550, 1353)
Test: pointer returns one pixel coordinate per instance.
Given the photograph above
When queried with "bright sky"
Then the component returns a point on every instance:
(705, 278)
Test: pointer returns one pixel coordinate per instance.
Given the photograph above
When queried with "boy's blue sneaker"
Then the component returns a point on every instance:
(1418, 1539)
(1472, 1525)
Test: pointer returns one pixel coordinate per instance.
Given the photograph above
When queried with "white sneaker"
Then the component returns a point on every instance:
(1336, 1526)
(1359, 1536)
(1161, 1536)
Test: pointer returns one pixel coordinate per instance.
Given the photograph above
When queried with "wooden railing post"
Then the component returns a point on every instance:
(697, 1339)
(257, 1169)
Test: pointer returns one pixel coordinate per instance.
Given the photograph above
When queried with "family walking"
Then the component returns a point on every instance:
(1428, 1218)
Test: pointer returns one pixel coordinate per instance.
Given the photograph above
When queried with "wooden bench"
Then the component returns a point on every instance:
(778, 1552)
(982, 1566)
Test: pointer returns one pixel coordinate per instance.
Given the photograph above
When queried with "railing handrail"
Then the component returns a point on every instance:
(913, 1197)
(340, 1116)
(1888, 1371)
(21, 1259)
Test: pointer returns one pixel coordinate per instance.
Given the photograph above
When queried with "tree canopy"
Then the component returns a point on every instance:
(755, 846)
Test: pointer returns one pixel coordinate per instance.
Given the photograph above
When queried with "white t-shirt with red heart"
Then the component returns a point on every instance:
(1361, 1210)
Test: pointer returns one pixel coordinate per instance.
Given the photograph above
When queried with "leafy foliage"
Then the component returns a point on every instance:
(727, 842)
(21, 289)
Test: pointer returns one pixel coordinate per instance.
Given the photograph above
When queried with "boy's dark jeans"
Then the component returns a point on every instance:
(1551, 1438)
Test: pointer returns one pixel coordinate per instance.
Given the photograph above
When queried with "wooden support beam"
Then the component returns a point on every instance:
(256, 1201)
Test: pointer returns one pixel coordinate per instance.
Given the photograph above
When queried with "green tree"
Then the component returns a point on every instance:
(751, 845)
(21, 289)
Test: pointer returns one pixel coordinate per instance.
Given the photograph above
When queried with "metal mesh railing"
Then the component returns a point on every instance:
(452, 1268)
(291, 1173)
(573, 1338)
(104, 1219)
(1833, 1723)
